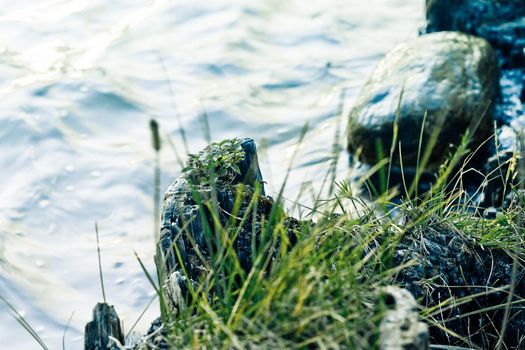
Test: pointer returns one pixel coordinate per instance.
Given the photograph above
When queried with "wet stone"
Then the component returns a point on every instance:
(449, 77)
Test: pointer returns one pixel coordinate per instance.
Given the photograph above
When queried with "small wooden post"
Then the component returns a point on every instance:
(105, 324)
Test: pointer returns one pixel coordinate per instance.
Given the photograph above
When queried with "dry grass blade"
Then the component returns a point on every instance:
(156, 143)
(100, 264)
(23, 322)
(150, 279)
(66, 329)
(140, 316)
(514, 259)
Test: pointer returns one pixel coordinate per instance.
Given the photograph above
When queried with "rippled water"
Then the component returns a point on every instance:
(79, 81)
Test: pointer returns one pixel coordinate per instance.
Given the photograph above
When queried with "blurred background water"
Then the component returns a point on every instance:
(79, 81)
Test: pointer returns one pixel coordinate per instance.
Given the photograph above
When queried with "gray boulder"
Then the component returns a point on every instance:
(452, 77)
(501, 22)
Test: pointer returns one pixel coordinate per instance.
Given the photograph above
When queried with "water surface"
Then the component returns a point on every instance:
(79, 81)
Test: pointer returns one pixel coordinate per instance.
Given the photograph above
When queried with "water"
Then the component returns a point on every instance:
(79, 81)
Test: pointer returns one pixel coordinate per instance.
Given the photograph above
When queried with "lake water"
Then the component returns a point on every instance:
(79, 81)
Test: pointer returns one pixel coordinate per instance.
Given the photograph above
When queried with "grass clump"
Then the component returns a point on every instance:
(320, 292)
(315, 284)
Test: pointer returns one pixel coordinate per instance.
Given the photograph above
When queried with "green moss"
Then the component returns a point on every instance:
(217, 163)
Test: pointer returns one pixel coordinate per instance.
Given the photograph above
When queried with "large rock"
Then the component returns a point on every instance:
(451, 76)
(501, 22)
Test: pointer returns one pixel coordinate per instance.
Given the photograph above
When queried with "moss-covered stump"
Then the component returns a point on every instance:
(216, 211)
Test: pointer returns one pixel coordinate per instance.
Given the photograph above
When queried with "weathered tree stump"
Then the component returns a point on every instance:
(188, 240)
(221, 192)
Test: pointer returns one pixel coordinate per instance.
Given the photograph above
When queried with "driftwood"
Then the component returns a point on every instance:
(105, 331)
(400, 328)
